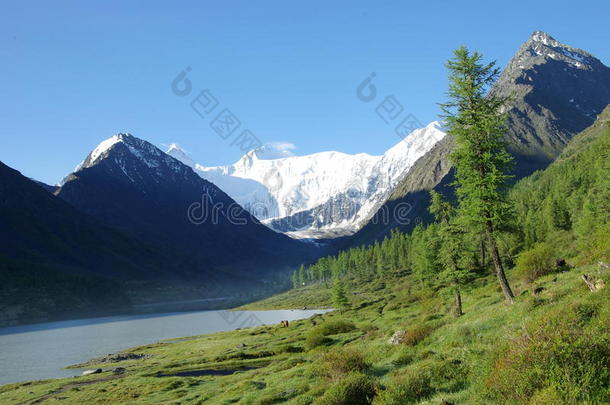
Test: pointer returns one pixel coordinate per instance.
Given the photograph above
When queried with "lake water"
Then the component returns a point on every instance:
(41, 351)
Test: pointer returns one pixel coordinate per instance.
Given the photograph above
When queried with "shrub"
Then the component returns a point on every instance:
(333, 327)
(536, 262)
(368, 327)
(338, 363)
(460, 336)
(370, 331)
(354, 389)
(547, 396)
(408, 388)
(289, 349)
(405, 357)
(447, 375)
(584, 312)
(555, 359)
(534, 302)
(416, 334)
(316, 338)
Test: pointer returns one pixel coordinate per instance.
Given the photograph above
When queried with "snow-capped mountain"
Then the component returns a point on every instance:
(180, 154)
(322, 194)
(129, 184)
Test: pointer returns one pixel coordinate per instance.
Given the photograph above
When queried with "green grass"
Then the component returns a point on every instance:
(467, 360)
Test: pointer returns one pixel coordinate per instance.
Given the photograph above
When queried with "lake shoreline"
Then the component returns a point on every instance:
(26, 345)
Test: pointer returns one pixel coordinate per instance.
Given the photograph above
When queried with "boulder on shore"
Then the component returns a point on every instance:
(89, 372)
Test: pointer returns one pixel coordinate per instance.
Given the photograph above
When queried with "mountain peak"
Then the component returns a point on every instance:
(542, 47)
(104, 146)
(120, 145)
(272, 151)
(556, 90)
(541, 36)
(175, 151)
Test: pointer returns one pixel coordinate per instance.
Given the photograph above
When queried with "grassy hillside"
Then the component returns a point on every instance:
(549, 348)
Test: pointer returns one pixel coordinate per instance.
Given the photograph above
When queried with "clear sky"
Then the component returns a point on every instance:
(75, 73)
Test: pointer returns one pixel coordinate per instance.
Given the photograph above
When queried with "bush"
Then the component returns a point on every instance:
(368, 327)
(548, 396)
(336, 326)
(416, 334)
(536, 262)
(354, 389)
(584, 312)
(338, 363)
(447, 375)
(558, 358)
(316, 338)
(405, 357)
(289, 349)
(534, 302)
(408, 388)
(370, 331)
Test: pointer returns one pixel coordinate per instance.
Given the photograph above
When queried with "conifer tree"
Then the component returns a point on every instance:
(302, 275)
(476, 122)
(423, 253)
(295, 279)
(339, 298)
(452, 252)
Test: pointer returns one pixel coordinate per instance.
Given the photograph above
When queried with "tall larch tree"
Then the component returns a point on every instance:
(476, 121)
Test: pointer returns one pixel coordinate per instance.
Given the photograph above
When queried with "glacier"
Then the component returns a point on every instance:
(321, 195)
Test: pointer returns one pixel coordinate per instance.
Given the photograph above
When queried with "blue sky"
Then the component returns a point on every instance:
(74, 73)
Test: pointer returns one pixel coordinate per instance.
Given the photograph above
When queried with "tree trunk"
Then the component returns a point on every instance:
(594, 285)
(495, 255)
(458, 303)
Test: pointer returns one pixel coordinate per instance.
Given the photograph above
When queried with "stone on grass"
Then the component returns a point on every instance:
(398, 337)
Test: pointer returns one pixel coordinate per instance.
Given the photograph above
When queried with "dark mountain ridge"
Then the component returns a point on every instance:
(58, 262)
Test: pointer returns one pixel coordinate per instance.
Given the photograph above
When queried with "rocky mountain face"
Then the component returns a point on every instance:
(322, 195)
(129, 184)
(556, 91)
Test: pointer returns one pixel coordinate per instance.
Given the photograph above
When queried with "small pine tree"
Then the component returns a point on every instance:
(302, 275)
(422, 255)
(339, 297)
(452, 253)
(295, 279)
(560, 216)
